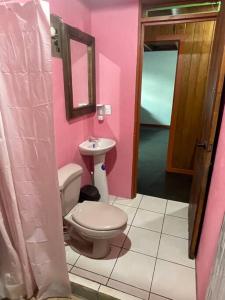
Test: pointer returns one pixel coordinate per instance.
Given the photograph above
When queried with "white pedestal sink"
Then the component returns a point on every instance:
(98, 148)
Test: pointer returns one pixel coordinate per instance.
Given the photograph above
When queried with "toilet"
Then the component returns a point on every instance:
(91, 224)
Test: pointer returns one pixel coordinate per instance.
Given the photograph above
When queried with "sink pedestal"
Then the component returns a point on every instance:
(100, 180)
(98, 147)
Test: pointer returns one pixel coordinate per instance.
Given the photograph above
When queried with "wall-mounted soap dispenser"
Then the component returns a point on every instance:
(100, 111)
(103, 110)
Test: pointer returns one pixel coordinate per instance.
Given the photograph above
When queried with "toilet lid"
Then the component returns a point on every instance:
(99, 216)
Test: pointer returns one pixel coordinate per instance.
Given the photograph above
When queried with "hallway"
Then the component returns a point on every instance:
(152, 177)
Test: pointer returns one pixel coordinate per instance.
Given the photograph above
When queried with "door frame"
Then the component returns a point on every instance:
(143, 22)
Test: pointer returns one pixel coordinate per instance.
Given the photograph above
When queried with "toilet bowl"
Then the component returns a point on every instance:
(93, 222)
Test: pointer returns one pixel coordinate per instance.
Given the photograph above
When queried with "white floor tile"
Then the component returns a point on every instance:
(119, 240)
(130, 211)
(153, 204)
(177, 209)
(89, 275)
(134, 269)
(156, 297)
(69, 267)
(99, 266)
(71, 255)
(142, 241)
(129, 202)
(175, 249)
(176, 226)
(84, 282)
(128, 289)
(148, 220)
(117, 294)
(111, 199)
(174, 281)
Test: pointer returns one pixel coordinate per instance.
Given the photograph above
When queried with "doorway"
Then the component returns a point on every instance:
(197, 53)
(176, 61)
(160, 61)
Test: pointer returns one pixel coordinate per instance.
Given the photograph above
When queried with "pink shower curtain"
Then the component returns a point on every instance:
(31, 237)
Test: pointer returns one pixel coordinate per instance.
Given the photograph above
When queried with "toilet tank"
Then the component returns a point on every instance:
(69, 178)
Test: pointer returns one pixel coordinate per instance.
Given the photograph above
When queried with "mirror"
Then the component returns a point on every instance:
(78, 54)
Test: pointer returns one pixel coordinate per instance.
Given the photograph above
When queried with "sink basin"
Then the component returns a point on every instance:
(98, 147)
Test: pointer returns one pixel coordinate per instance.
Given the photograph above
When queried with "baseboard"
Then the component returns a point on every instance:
(155, 125)
(180, 171)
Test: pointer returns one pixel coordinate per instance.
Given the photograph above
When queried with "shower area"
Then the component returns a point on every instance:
(32, 260)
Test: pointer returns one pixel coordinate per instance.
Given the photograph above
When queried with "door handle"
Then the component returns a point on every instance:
(205, 146)
(202, 145)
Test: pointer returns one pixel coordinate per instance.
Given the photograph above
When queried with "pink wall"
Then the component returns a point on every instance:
(213, 219)
(115, 28)
(69, 135)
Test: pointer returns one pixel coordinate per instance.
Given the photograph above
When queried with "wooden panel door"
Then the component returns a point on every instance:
(205, 144)
(195, 45)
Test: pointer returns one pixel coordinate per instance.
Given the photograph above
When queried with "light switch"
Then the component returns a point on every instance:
(108, 109)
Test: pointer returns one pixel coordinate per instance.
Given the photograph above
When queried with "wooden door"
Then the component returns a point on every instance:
(195, 47)
(205, 143)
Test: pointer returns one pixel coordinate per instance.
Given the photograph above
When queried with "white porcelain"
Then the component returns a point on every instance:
(134, 269)
(102, 267)
(98, 147)
(116, 294)
(89, 234)
(153, 204)
(128, 289)
(142, 241)
(174, 281)
(98, 238)
(129, 202)
(130, 211)
(148, 220)
(177, 209)
(87, 213)
(175, 226)
(175, 249)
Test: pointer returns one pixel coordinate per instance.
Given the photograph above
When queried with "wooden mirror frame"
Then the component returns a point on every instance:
(71, 33)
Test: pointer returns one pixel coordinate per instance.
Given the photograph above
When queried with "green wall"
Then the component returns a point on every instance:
(158, 78)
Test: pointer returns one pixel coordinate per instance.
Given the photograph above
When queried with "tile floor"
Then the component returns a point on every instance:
(149, 260)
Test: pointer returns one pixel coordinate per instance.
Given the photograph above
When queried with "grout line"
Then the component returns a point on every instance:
(124, 242)
(179, 237)
(156, 212)
(91, 273)
(130, 285)
(114, 266)
(122, 248)
(153, 274)
(175, 263)
(146, 229)
(161, 296)
(129, 294)
(183, 238)
(140, 208)
(182, 218)
(156, 257)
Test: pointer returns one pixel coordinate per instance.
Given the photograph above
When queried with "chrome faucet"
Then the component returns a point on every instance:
(93, 139)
